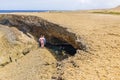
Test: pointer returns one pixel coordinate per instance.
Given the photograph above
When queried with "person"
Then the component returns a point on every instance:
(42, 41)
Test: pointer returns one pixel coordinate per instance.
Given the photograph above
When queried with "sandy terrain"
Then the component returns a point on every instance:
(101, 33)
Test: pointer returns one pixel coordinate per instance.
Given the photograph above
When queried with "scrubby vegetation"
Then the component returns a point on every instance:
(107, 12)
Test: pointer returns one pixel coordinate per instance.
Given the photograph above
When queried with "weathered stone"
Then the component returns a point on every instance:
(13, 44)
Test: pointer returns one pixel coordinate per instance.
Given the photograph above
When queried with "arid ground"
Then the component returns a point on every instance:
(101, 34)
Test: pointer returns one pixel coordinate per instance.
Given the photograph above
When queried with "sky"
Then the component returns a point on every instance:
(57, 4)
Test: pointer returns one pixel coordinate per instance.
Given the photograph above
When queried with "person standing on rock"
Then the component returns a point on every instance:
(42, 41)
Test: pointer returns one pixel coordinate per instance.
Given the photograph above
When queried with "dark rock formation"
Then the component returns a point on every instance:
(37, 26)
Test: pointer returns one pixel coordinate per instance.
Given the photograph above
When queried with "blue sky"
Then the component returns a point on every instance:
(57, 4)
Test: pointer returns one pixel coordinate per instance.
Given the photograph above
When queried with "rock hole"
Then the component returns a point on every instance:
(60, 48)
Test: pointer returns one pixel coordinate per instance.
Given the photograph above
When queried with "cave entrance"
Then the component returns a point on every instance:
(60, 49)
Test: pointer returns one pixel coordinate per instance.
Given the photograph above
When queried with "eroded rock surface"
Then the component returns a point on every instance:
(36, 26)
(14, 44)
(39, 64)
(102, 35)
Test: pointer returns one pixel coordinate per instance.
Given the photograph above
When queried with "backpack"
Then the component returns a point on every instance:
(44, 41)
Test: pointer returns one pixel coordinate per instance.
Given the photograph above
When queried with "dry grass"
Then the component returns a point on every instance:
(104, 12)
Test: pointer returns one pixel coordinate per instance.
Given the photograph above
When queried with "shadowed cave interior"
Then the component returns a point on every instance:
(60, 49)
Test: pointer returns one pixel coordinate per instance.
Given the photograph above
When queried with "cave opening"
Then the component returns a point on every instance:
(33, 26)
(60, 49)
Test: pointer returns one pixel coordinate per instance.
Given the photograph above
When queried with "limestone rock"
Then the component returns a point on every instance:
(13, 43)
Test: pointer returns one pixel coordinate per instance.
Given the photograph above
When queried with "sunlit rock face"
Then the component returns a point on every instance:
(14, 44)
(37, 26)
